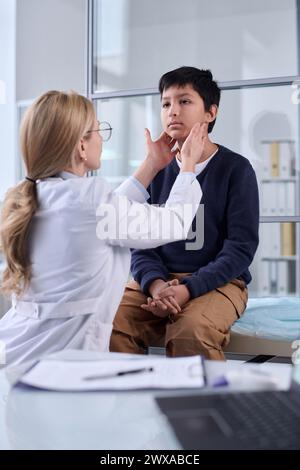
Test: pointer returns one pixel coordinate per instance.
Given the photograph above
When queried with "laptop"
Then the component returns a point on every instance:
(236, 420)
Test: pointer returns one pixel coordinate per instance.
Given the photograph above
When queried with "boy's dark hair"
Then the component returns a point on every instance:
(201, 81)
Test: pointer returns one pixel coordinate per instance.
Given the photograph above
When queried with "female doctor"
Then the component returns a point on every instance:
(66, 238)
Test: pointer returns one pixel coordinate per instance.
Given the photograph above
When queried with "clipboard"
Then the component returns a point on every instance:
(117, 374)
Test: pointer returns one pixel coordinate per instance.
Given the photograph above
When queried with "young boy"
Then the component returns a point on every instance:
(192, 296)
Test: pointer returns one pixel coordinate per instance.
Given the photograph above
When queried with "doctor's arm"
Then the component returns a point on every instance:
(126, 223)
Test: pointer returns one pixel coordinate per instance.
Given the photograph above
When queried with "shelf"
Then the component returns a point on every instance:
(288, 141)
(279, 258)
(290, 179)
(262, 294)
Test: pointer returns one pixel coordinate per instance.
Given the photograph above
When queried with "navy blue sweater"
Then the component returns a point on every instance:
(231, 218)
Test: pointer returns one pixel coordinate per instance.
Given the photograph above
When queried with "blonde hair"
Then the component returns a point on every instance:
(50, 132)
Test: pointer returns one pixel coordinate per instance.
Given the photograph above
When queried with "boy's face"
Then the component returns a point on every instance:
(181, 108)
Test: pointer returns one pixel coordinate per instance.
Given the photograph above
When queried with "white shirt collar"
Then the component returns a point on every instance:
(199, 167)
(65, 175)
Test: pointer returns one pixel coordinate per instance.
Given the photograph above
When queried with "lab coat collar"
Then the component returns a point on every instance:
(66, 175)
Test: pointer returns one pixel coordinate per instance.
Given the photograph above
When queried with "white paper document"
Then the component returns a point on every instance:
(123, 374)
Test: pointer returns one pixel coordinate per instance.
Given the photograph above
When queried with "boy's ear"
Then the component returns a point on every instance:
(213, 111)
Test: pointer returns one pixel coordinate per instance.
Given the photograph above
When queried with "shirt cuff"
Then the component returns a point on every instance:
(190, 173)
(133, 190)
(185, 190)
(149, 278)
(140, 187)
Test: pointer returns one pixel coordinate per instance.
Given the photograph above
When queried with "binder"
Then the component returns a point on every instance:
(288, 239)
(281, 198)
(266, 167)
(275, 240)
(285, 160)
(290, 198)
(273, 273)
(283, 278)
(265, 279)
(274, 159)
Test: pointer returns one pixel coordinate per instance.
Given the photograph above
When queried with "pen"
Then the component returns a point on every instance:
(205, 377)
(119, 374)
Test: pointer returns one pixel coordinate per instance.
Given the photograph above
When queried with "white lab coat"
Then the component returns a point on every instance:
(78, 279)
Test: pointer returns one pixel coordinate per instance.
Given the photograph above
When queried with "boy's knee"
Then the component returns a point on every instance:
(122, 342)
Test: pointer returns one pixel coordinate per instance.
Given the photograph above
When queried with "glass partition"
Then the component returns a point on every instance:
(126, 148)
(135, 41)
(262, 124)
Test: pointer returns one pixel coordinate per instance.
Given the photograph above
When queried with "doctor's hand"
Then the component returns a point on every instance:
(159, 152)
(159, 155)
(193, 147)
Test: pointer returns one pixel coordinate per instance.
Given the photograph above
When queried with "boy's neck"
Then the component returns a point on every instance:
(209, 149)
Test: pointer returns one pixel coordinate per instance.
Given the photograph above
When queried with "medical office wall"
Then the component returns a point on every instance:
(42, 47)
(252, 50)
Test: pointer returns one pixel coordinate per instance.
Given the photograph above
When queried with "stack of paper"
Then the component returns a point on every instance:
(121, 374)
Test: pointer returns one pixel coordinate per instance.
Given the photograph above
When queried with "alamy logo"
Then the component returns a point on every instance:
(140, 222)
(2, 92)
(2, 352)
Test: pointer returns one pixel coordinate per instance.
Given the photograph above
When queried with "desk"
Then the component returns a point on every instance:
(33, 419)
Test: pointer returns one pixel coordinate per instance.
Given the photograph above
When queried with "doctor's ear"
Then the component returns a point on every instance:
(81, 146)
(81, 150)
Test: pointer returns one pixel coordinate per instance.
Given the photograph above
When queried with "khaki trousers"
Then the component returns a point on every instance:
(202, 326)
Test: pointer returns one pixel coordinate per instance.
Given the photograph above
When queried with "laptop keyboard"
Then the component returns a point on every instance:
(268, 419)
(256, 420)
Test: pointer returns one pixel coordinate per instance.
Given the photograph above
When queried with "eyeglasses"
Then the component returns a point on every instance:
(104, 130)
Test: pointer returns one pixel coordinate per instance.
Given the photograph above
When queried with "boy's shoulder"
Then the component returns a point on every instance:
(233, 164)
(236, 159)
